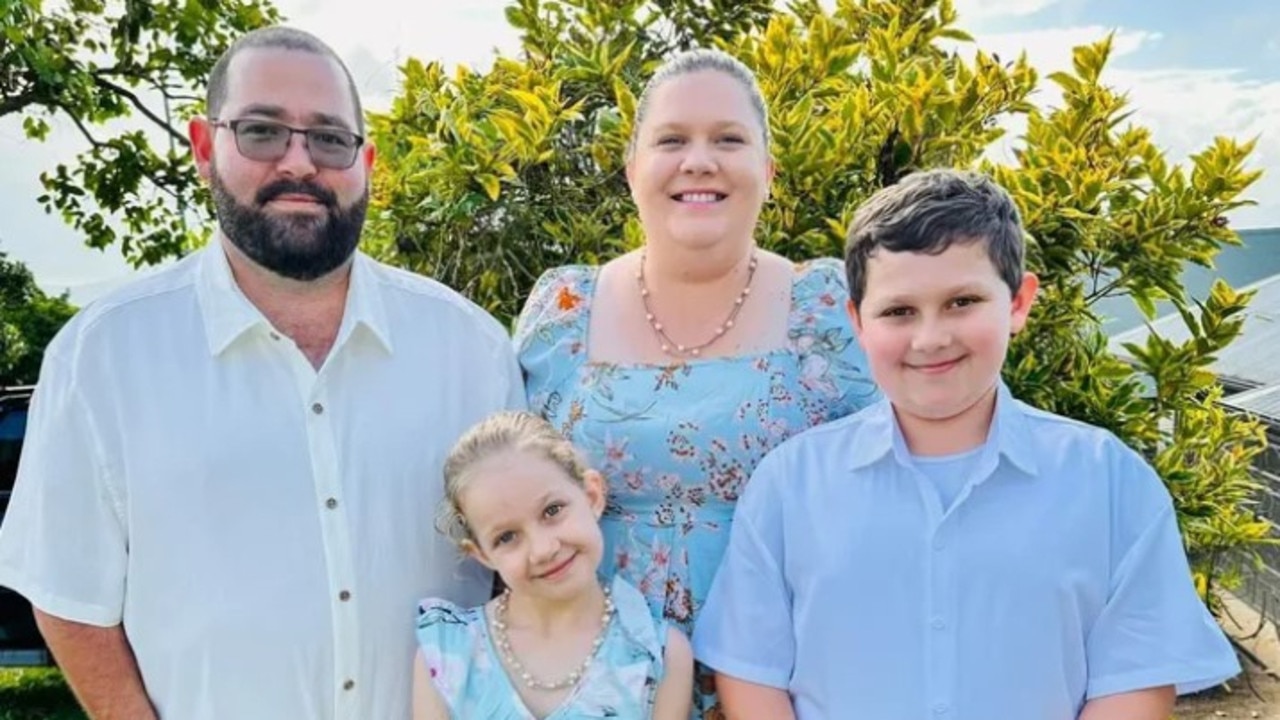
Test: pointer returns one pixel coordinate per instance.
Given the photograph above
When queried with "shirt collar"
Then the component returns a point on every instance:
(880, 436)
(366, 306)
(228, 315)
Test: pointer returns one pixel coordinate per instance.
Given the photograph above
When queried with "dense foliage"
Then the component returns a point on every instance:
(487, 178)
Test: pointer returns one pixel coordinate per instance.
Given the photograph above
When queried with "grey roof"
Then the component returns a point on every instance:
(1255, 260)
(1263, 402)
(1253, 359)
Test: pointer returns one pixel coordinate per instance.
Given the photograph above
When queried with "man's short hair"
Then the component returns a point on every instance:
(277, 37)
(926, 212)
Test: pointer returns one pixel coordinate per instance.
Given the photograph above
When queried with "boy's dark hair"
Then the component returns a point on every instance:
(928, 211)
(277, 37)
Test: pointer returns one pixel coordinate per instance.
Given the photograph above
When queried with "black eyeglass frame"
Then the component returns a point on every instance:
(306, 133)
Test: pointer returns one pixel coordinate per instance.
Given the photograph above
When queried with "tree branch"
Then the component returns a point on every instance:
(1094, 296)
(98, 144)
(17, 103)
(142, 108)
(93, 141)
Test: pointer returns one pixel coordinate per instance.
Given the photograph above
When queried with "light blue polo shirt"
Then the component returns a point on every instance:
(1056, 576)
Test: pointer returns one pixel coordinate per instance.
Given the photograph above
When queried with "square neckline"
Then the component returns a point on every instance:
(591, 283)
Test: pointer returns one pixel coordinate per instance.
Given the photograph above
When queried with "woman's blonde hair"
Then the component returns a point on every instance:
(512, 431)
(695, 61)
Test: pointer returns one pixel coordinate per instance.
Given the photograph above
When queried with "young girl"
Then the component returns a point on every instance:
(558, 643)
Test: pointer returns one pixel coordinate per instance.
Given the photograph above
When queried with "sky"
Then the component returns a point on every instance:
(1193, 70)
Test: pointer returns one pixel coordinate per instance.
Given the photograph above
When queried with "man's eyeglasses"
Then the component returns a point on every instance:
(268, 141)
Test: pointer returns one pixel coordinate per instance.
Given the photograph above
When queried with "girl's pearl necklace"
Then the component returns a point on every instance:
(674, 348)
(503, 642)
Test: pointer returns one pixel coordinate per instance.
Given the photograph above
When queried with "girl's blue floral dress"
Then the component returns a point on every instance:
(461, 657)
(678, 442)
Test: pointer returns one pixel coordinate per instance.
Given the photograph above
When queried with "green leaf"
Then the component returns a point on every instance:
(860, 92)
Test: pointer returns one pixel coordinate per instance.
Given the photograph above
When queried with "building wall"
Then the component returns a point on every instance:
(1261, 588)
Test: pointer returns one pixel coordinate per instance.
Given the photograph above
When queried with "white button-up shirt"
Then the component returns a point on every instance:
(263, 530)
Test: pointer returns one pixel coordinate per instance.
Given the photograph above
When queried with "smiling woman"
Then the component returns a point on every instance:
(676, 367)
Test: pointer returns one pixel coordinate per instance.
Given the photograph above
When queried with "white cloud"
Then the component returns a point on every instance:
(1049, 49)
(377, 39)
(54, 253)
(1185, 108)
(373, 37)
(977, 10)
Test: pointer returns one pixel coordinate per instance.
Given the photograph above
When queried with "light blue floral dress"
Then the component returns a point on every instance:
(678, 442)
(461, 658)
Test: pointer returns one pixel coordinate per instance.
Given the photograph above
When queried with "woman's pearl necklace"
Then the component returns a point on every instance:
(674, 348)
(504, 647)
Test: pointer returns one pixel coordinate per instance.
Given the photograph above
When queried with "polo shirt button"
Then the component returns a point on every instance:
(331, 503)
(344, 596)
(349, 685)
(317, 408)
(940, 709)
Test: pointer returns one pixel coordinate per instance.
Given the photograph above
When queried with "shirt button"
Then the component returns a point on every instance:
(275, 336)
(939, 545)
(344, 596)
(331, 503)
(939, 623)
(349, 685)
(317, 408)
(940, 709)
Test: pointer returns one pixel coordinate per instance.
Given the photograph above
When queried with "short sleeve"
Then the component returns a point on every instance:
(63, 542)
(830, 355)
(556, 298)
(745, 629)
(549, 332)
(444, 634)
(1153, 630)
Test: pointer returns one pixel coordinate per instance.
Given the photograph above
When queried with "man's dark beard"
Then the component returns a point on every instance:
(299, 247)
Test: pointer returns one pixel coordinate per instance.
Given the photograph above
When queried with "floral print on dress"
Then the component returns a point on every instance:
(678, 442)
(621, 681)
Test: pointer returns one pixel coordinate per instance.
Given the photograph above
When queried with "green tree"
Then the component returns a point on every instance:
(488, 178)
(1108, 215)
(29, 319)
(98, 62)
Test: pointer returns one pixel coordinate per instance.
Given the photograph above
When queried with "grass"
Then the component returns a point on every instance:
(36, 694)
(41, 694)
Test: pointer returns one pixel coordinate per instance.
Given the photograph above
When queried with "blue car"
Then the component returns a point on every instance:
(20, 641)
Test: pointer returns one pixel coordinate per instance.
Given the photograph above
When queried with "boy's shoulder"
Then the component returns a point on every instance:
(1052, 435)
(858, 440)
(813, 456)
(842, 439)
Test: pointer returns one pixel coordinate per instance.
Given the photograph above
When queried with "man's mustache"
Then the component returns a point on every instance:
(322, 195)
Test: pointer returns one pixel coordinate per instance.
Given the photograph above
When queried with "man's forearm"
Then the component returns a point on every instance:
(99, 665)
(1150, 704)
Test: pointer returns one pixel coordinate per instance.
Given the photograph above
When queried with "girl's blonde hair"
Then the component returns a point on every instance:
(511, 431)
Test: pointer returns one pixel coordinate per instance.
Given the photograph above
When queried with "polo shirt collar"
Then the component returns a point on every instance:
(880, 436)
(228, 315)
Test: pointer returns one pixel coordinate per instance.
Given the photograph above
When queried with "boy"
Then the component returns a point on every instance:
(952, 553)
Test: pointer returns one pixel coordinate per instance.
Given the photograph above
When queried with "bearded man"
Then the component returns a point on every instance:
(224, 505)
